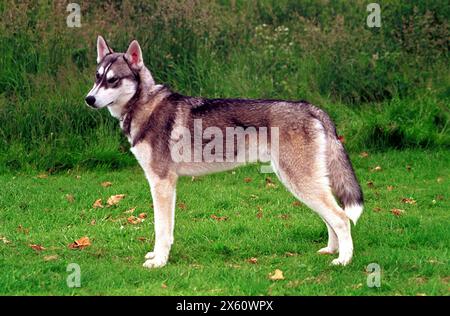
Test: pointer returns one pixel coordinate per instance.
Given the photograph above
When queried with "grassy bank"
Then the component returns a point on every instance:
(385, 87)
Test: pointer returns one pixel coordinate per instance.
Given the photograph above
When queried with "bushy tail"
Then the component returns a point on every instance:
(342, 176)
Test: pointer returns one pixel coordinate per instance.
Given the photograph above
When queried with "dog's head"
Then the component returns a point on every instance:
(117, 77)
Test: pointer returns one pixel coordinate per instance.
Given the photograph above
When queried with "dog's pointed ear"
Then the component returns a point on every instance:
(134, 55)
(102, 49)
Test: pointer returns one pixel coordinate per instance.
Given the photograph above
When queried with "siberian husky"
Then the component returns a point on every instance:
(310, 160)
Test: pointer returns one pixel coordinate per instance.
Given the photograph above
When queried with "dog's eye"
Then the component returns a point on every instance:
(113, 79)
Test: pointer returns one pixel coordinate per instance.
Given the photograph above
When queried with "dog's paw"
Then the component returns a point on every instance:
(327, 251)
(155, 262)
(341, 261)
(150, 255)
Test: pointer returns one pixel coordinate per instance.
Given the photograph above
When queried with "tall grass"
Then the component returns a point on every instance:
(386, 87)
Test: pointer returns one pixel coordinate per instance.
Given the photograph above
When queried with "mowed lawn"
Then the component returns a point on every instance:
(222, 221)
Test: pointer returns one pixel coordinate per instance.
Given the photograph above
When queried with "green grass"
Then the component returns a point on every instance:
(209, 257)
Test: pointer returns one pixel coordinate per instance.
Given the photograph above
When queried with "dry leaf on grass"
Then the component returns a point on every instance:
(219, 218)
(390, 188)
(269, 183)
(276, 275)
(42, 176)
(130, 211)
(142, 215)
(341, 139)
(370, 184)
(397, 212)
(37, 247)
(5, 241)
(252, 260)
(409, 201)
(377, 209)
(260, 212)
(50, 257)
(364, 154)
(115, 199)
(81, 243)
(164, 286)
(182, 206)
(296, 203)
(377, 168)
(133, 220)
(106, 184)
(284, 216)
(93, 222)
(97, 204)
(247, 180)
(70, 198)
(22, 229)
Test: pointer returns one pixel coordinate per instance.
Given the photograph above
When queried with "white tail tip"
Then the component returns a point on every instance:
(354, 212)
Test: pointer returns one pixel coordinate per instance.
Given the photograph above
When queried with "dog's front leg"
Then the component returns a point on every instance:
(163, 194)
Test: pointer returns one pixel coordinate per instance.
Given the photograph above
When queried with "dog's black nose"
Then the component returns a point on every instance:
(90, 100)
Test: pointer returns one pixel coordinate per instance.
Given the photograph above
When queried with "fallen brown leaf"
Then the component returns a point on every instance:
(130, 211)
(364, 154)
(296, 203)
(341, 139)
(81, 243)
(377, 168)
(182, 206)
(276, 275)
(115, 199)
(164, 286)
(134, 220)
(260, 212)
(70, 198)
(370, 184)
(409, 201)
(5, 241)
(22, 229)
(284, 216)
(247, 180)
(97, 204)
(253, 260)
(142, 215)
(50, 257)
(106, 184)
(390, 188)
(93, 222)
(42, 176)
(37, 247)
(219, 218)
(377, 209)
(397, 212)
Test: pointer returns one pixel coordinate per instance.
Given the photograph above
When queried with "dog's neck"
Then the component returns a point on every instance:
(146, 90)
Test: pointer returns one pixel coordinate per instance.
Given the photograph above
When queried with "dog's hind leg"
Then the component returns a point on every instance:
(302, 169)
(333, 245)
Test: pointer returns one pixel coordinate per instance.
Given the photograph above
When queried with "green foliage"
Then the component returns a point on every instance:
(392, 81)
